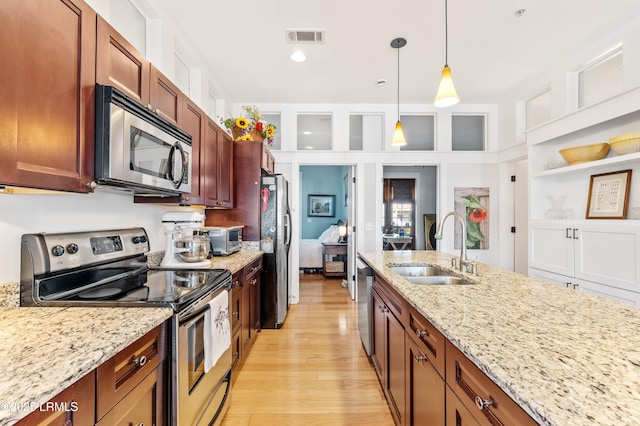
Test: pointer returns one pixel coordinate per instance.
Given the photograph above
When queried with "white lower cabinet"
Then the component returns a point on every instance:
(598, 257)
(620, 295)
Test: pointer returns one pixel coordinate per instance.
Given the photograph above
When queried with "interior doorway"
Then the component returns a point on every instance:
(409, 205)
(328, 226)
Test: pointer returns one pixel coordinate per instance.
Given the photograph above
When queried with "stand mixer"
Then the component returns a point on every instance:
(184, 250)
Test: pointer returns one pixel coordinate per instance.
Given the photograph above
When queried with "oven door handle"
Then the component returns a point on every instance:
(192, 317)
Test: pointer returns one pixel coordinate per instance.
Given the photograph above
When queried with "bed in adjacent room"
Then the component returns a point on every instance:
(311, 249)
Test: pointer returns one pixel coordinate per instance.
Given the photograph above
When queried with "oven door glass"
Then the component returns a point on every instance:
(195, 351)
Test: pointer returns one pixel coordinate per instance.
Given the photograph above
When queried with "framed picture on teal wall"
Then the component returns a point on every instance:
(321, 205)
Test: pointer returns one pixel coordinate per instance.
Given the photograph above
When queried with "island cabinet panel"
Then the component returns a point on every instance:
(47, 87)
(122, 373)
(456, 412)
(425, 388)
(427, 337)
(483, 398)
(389, 346)
(74, 405)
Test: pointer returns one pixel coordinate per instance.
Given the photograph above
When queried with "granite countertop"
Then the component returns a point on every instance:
(45, 350)
(566, 357)
(236, 261)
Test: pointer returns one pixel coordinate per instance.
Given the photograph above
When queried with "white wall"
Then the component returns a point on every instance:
(103, 210)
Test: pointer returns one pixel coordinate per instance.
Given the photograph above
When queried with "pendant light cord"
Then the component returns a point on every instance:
(446, 35)
(398, 84)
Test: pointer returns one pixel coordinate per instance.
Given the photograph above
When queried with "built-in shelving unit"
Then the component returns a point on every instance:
(572, 250)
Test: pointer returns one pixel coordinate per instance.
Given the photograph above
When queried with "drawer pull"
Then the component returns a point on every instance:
(420, 358)
(139, 424)
(421, 333)
(140, 361)
(482, 403)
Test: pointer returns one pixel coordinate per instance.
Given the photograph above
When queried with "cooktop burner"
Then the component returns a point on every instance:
(156, 287)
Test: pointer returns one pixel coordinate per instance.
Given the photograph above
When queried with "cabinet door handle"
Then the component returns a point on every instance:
(568, 285)
(575, 233)
(255, 280)
(576, 286)
(482, 403)
(421, 333)
(140, 361)
(420, 358)
(235, 314)
(567, 232)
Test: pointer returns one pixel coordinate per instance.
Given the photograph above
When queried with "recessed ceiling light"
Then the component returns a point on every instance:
(298, 56)
(308, 147)
(381, 82)
(518, 13)
(306, 132)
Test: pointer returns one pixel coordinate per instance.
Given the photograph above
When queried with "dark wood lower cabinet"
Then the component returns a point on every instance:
(127, 389)
(74, 405)
(424, 388)
(144, 405)
(389, 356)
(457, 413)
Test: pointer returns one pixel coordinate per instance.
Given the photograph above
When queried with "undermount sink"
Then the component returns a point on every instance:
(438, 280)
(418, 270)
(428, 275)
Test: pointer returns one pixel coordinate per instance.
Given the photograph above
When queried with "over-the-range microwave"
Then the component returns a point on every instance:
(138, 150)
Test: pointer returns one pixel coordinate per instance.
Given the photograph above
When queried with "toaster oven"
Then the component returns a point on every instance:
(223, 240)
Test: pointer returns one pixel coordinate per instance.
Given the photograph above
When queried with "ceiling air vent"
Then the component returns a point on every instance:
(305, 36)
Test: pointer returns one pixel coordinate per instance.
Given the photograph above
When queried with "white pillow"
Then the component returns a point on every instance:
(330, 235)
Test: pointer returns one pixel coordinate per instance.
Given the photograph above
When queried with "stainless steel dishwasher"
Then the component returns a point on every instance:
(365, 312)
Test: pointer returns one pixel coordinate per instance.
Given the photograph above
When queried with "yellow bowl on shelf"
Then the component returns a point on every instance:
(584, 153)
(625, 144)
(624, 136)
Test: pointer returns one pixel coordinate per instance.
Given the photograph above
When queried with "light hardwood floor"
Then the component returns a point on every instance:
(312, 371)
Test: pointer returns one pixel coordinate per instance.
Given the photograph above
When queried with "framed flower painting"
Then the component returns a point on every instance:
(473, 205)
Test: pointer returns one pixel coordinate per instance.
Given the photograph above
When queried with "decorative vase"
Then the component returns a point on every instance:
(254, 135)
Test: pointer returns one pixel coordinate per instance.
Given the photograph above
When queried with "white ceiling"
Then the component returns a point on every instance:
(490, 49)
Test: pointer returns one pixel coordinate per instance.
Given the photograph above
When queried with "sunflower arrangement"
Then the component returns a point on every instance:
(250, 126)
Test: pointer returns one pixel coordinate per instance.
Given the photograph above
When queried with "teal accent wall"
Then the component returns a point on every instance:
(326, 180)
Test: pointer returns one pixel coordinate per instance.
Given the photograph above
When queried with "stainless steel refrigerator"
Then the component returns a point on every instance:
(275, 239)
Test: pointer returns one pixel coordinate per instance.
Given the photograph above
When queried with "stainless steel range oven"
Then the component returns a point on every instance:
(109, 268)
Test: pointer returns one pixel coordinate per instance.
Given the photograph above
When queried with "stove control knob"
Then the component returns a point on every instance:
(57, 250)
(136, 240)
(143, 239)
(72, 248)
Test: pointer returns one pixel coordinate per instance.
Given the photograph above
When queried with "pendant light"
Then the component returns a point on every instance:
(398, 134)
(446, 95)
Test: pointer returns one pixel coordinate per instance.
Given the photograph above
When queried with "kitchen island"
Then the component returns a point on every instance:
(565, 357)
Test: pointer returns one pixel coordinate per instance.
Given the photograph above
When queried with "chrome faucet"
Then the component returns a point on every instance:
(464, 262)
